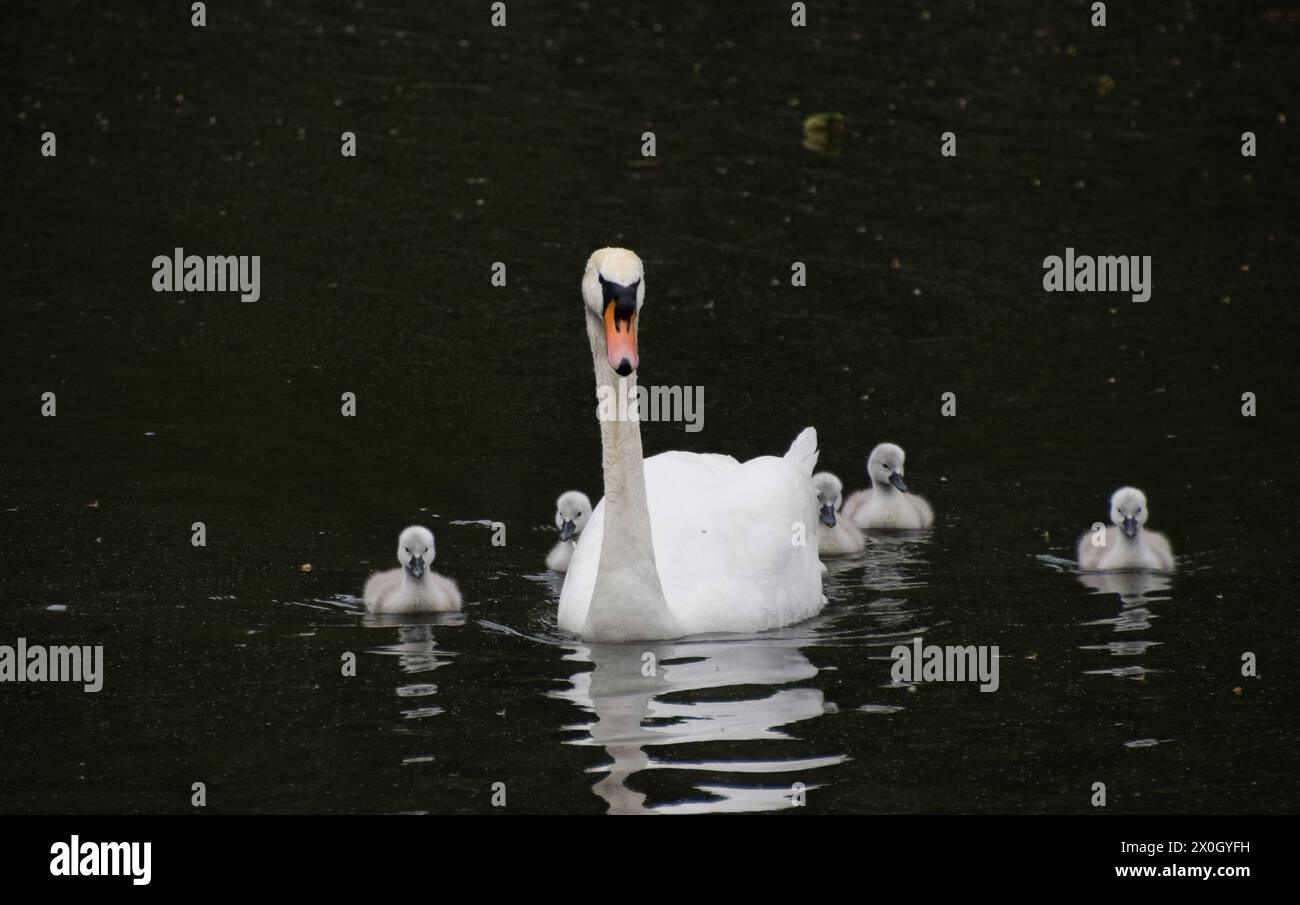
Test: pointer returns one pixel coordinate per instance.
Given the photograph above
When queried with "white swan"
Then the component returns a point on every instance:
(887, 503)
(572, 510)
(835, 536)
(682, 543)
(412, 588)
(1126, 543)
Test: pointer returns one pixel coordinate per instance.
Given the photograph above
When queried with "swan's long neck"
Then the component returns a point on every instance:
(627, 602)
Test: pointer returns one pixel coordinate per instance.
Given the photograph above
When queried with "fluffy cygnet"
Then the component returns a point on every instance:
(413, 588)
(887, 503)
(1126, 543)
(572, 510)
(835, 536)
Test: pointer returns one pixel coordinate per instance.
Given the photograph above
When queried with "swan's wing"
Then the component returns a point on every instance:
(1085, 553)
(1159, 545)
(846, 537)
(380, 587)
(1090, 556)
(803, 451)
(446, 594)
(698, 471)
(688, 478)
(923, 509)
(558, 558)
(724, 537)
(727, 538)
(857, 502)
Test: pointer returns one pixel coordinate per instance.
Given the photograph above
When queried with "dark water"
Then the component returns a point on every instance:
(522, 145)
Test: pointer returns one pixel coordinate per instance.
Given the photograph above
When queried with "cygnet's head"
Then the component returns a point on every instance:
(415, 550)
(885, 466)
(829, 490)
(1128, 510)
(572, 510)
(613, 289)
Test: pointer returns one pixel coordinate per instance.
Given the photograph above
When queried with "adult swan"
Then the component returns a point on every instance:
(682, 543)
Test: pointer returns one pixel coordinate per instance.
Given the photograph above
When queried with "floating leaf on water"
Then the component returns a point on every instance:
(824, 133)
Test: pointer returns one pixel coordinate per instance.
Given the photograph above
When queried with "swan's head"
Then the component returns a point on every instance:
(829, 490)
(613, 289)
(415, 550)
(1128, 510)
(885, 466)
(572, 510)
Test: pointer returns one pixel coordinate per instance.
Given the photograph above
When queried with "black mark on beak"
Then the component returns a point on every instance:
(620, 325)
(1130, 528)
(897, 480)
(415, 566)
(828, 515)
(566, 530)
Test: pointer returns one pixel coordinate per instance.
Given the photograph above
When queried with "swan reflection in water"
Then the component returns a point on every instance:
(656, 693)
(1132, 587)
(417, 652)
(895, 560)
(1135, 590)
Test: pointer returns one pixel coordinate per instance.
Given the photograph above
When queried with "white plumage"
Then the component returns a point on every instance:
(1126, 544)
(572, 511)
(841, 536)
(724, 537)
(414, 588)
(887, 503)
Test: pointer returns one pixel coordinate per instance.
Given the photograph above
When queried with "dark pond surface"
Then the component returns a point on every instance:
(522, 145)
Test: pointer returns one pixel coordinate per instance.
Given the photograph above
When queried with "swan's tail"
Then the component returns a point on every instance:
(803, 451)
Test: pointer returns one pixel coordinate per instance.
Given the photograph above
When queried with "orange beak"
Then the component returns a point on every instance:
(620, 342)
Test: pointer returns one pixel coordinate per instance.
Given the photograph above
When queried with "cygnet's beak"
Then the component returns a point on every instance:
(1130, 527)
(567, 529)
(415, 566)
(896, 479)
(828, 515)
